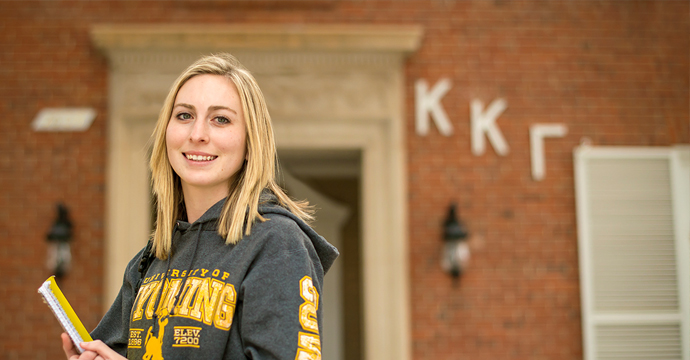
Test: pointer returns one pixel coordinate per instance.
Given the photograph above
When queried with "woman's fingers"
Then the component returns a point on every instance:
(102, 350)
(68, 346)
(71, 350)
(87, 355)
(95, 350)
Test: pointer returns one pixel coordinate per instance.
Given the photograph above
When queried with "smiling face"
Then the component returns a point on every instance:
(206, 136)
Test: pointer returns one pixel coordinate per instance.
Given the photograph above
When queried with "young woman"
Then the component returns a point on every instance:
(236, 271)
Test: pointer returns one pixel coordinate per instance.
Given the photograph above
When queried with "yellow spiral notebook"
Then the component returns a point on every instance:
(52, 295)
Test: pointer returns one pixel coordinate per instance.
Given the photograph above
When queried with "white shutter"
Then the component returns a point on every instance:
(633, 214)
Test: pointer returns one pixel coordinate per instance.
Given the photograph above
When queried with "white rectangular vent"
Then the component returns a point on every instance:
(660, 342)
(633, 249)
(633, 222)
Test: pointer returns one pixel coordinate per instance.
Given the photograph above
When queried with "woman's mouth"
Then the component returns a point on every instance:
(200, 157)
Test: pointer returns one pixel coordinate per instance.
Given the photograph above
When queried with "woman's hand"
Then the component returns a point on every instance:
(95, 350)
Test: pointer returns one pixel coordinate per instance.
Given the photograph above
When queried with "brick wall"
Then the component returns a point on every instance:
(47, 61)
(615, 72)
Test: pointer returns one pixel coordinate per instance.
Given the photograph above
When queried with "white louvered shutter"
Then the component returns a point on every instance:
(633, 214)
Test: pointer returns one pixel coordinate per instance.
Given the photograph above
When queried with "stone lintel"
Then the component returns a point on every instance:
(403, 39)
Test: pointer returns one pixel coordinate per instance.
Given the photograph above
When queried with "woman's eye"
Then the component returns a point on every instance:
(184, 116)
(222, 120)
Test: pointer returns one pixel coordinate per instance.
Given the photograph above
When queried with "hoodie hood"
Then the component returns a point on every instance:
(268, 204)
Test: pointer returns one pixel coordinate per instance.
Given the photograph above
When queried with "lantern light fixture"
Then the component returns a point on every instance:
(456, 251)
(59, 238)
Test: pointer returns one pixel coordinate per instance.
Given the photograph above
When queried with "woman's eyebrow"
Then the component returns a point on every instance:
(191, 107)
(221, 107)
(210, 108)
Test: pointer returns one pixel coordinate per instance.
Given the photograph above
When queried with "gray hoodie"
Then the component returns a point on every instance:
(258, 299)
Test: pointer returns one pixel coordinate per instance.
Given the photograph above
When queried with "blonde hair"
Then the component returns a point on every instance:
(258, 172)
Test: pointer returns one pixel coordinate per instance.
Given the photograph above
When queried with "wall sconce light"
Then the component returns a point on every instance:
(59, 237)
(456, 251)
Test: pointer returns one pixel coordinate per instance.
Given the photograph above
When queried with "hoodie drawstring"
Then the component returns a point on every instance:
(182, 282)
(189, 269)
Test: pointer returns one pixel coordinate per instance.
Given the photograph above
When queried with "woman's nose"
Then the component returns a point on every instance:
(199, 131)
